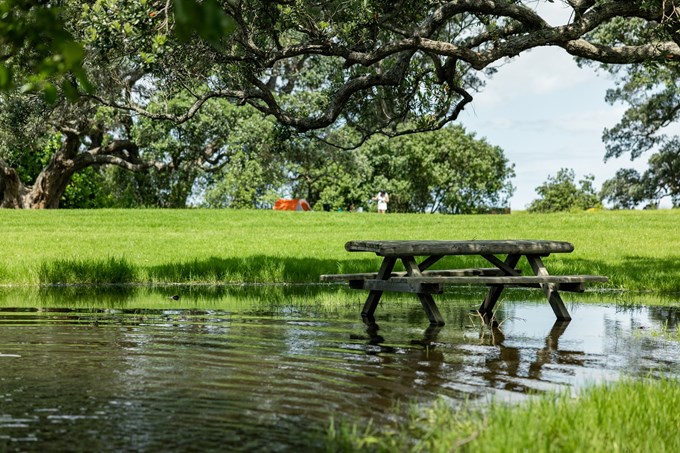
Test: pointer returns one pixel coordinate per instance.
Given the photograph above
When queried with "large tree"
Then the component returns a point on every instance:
(374, 65)
(447, 171)
(648, 128)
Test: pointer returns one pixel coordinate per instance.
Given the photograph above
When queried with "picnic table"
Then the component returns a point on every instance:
(424, 283)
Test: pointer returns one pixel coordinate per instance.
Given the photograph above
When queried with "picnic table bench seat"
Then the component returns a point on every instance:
(422, 282)
(433, 273)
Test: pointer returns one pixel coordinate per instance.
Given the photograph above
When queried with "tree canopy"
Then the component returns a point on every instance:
(651, 91)
(374, 63)
(314, 66)
(560, 193)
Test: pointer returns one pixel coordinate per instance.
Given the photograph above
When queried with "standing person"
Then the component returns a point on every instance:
(383, 199)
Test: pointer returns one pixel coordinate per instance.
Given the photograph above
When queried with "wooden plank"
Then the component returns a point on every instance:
(475, 247)
(429, 261)
(504, 280)
(494, 293)
(426, 300)
(374, 295)
(571, 287)
(506, 268)
(444, 272)
(397, 287)
(550, 290)
(431, 309)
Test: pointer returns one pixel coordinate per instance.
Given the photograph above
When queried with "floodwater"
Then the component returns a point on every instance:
(266, 370)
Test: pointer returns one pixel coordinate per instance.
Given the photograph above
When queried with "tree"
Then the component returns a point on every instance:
(38, 51)
(628, 189)
(372, 65)
(377, 63)
(651, 92)
(560, 193)
(446, 171)
(625, 190)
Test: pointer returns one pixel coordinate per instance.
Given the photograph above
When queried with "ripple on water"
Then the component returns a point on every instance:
(108, 380)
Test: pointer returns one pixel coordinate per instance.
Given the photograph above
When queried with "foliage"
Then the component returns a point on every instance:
(447, 171)
(651, 92)
(87, 190)
(663, 175)
(24, 142)
(632, 415)
(625, 190)
(38, 51)
(560, 193)
(207, 19)
(629, 189)
(369, 66)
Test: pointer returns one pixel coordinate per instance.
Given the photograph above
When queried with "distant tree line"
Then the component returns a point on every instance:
(229, 156)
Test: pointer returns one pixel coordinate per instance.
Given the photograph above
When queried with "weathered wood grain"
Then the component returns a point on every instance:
(439, 248)
(503, 280)
(398, 287)
(443, 272)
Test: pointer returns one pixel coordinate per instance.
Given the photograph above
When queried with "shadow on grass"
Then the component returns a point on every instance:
(630, 272)
(70, 271)
(254, 269)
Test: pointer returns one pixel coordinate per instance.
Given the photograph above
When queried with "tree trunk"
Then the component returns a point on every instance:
(50, 185)
(53, 180)
(12, 190)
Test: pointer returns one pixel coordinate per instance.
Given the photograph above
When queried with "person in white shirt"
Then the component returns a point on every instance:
(382, 199)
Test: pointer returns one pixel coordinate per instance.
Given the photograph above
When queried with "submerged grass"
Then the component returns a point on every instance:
(628, 416)
(638, 250)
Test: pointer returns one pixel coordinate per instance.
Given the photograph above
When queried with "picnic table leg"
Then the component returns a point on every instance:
(426, 300)
(549, 289)
(486, 309)
(374, 295)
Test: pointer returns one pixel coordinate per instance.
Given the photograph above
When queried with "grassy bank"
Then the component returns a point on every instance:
(637, 250)
(629, 416)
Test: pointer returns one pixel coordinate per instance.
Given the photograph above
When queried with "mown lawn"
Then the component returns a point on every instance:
(636, 249)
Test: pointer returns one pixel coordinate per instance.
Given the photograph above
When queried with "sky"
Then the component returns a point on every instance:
(546, 113)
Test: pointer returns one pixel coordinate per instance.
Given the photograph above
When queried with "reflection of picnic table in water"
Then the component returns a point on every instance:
(508, 369)
(417, 279)
(426, 362)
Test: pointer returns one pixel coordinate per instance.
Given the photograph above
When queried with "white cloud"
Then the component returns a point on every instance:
(538, 72)
(546, 113)
(591, 121)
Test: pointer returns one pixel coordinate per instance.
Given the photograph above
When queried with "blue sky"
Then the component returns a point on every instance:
(546, 113)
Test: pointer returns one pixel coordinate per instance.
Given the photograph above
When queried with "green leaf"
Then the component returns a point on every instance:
(73, 53)
(50, 93)
(207, 19)
(5, 77)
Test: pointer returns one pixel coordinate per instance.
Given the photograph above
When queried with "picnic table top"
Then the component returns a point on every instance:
(397, 248)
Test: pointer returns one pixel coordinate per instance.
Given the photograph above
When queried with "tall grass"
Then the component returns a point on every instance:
(629, 416)
(636, 249)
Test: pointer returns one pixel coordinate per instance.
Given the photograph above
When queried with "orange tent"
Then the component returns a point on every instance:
(296, 204)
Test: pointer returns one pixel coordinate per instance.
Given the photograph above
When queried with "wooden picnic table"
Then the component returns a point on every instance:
(424, 283)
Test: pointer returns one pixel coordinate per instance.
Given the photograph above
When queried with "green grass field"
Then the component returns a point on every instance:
(629, 416)
(637, 250)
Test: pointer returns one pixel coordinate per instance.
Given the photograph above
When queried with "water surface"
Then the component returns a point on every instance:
(267, 369)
